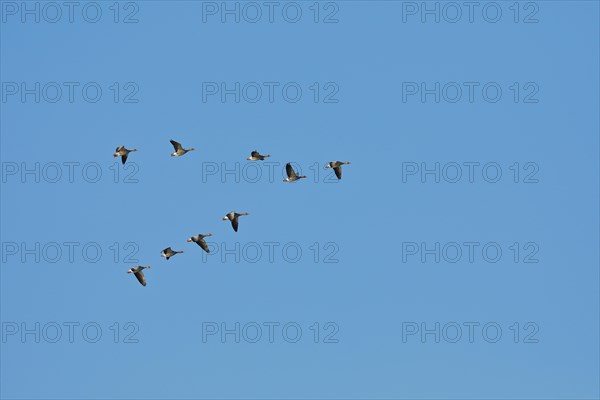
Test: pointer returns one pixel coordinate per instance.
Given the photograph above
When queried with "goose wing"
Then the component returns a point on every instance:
(338, 171)
(118, 149)
(176, 145)
(234, 223)
(203, 244)
(124, 158)
(140, 277)
(167, 251)
(290, 171)
(255, 154)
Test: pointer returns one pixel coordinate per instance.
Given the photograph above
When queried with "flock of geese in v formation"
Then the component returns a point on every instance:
(233, 216)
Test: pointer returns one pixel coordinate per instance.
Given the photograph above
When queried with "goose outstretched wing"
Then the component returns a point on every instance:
(338, 171)
(176, 145)
(290, 171)
(140, 277)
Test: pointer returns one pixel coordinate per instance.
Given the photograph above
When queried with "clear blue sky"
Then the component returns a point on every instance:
(373, 215)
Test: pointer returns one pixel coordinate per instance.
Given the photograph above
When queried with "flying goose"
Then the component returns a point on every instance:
(168, 253)
(292, 176)
(123, 152)
(233, 217)
(137, 271)
(199, 240)
(179, 150)
(255, 156)
(337, 167)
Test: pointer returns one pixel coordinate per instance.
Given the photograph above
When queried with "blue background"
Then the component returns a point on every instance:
(370, 292)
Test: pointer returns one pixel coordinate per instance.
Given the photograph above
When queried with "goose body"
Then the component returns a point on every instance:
(199, 240)
(337, 167)
(179, 150)
(256, 156)
(292, 175)
(168, 253)
(123, 152)
(233, 217)
(137, 271)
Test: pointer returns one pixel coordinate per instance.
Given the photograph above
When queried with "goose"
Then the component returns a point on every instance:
(123, 152)
(199, 240)
(233, 217)
(168, 253)
(292, 175)
(255, 156)
(137, 271)
(337, 167)
(179, 150)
